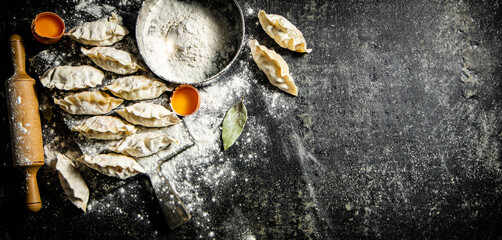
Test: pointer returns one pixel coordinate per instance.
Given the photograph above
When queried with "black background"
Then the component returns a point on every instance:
(380, 143)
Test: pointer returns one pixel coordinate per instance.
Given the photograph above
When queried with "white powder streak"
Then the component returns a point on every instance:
(94, 9)
(205, 160)
(215, 101)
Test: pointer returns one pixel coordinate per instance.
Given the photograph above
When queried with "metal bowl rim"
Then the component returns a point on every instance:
(216, 76)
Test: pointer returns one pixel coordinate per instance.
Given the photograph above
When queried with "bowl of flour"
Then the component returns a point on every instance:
(189, 41)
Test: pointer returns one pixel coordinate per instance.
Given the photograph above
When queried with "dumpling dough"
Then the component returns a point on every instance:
(72, 77)
(114, 165)
(283, 32)
(105, 128)
(88, 103)
(72, 182)
(99, 33)
(137, 88)
(143, 144)
(113, 60)
(274, 66)
(148, 115)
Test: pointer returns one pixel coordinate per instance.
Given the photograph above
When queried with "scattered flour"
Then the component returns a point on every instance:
(204, 126)
(249, 11)
(94, 9)
(21, 128)
(205, 163)
(203, 166)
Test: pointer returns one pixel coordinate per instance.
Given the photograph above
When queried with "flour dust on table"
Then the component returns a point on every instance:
(198, 162)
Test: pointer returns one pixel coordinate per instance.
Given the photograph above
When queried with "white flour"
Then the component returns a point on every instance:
(205, 164)
(174, 46)
(94, 9)
(203, 175)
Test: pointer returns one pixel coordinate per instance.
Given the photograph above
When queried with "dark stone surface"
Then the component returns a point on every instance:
(382, 142)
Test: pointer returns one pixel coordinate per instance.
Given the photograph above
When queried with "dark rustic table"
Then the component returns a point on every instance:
(396, 133)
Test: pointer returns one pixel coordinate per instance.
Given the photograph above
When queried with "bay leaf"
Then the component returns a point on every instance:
(233, 124)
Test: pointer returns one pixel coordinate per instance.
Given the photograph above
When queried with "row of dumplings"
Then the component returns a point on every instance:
(110, 164)
(70, 78)
(81, 77)
(137, 87)
(272, 64)
(120, 161)
(98, 102)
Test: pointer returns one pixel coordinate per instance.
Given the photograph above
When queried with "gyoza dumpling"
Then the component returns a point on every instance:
(143, 144)
(114, 165)
(274, 66)
(72, 182)
(88, 103)
(72, 77)
(105, 128)
(113, 60)
(148, 115)
(99, 33)
(283, 32)
(137, 88)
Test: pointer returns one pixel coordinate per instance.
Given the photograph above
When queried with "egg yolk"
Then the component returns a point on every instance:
(185, 100)
(48, 26)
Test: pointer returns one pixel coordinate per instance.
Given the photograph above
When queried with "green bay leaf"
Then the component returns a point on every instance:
(233, 124)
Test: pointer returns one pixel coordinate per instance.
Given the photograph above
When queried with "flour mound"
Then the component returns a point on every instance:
(186, 42)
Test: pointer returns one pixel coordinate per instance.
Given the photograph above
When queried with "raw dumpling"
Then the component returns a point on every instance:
(105, 128)
(143, 144)
(148, 115)
(113, 60)
(114, 165)
(72, 77)
(99, 33)
(283, 32)
(88, 103)
(72, 182)
(274, 66)
(137, 88)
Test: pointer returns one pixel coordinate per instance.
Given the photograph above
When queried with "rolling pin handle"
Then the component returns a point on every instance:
(33, 201)
(16, 43)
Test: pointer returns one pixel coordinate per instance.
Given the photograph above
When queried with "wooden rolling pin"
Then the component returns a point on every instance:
(25, 127)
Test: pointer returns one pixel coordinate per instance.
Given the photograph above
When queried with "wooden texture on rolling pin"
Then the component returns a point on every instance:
(24, 117)
(25, 126)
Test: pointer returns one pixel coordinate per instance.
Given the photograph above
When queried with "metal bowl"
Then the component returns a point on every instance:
(229, 9)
